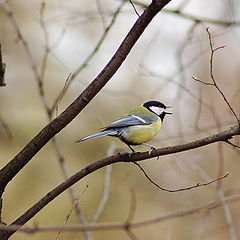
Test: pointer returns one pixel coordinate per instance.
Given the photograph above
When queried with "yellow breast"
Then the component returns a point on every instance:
(136, 135)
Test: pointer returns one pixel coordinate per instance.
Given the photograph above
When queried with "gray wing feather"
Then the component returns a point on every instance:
(113, 128)
(129, 120)
(99, 134)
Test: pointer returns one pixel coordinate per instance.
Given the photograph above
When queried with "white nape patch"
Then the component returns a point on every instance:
(139, 118)
(157, 110)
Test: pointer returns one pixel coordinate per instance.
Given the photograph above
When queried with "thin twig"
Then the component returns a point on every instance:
(61, 159)
(106, 187)
(46, 42)
(135, 10)
(182, 78)
(40, 80)
(221, 196)
(212, 76)
(219, 145)
(232, 144)
(178, 12)
(130, 234)
(92, 54)
(198, 113)
(183, 4)
(53, 130)
(2, 70)
(99, 7)
(70, 212)
(171, 79)
(205, 83)
(123, 157)
(120, 226)
(5, 127)
(131, 215)
(62, 93)
(180, 189)
(132, 207)
(214, 83)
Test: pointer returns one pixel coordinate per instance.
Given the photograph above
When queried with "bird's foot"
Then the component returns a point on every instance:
(131, 153)
(151, 149)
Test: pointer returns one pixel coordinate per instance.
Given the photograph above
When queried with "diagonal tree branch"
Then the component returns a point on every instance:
(90, 57)
(123, 157)
(57, 124)
(11, 169)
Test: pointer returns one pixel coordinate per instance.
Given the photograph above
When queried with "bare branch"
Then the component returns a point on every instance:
(60, 157)
(130, 216)
(61, 161)
(205, 83)
(46, 42)
(40, 82)
(2, 70)
(214, 83)
(123, 157)
(221, 196)
(232, 144)
(99, 7)
(106, 187)
(132, 207)
(56, 125)
(70, 212)
(209, 206)
(135, 10)
(20, 37)
(178, 12)
(180, 189)
(212, 77)
(62, 93)
(92, 54)
(130, 234)
(119, 226)
(5, 127)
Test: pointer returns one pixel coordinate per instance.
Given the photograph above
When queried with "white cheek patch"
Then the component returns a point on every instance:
(157, 110)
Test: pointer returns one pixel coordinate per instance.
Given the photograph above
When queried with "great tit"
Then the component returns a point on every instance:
(139, 126)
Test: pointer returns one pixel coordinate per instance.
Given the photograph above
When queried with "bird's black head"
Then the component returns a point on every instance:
(157, 108)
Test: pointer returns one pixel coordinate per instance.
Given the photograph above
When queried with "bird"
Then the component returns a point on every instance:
(137, 127)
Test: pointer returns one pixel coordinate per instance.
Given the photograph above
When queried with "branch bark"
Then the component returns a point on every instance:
(56, 125)
(123, 157)
(2, 70)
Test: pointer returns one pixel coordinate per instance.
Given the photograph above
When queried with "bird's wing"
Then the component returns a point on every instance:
(129, 120)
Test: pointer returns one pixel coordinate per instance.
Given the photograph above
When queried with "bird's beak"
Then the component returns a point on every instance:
(168, 112)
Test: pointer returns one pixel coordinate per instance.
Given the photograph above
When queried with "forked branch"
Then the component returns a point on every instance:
(214, 83)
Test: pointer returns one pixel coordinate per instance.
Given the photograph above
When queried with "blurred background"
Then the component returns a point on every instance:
(45, 41)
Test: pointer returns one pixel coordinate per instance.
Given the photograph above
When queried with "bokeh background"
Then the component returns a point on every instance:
(60, 35)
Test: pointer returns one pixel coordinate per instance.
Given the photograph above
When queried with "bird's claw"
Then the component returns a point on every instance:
(131, 153)
(151, 149)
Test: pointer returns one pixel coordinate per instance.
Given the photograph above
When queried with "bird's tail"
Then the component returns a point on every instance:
(95, 135)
